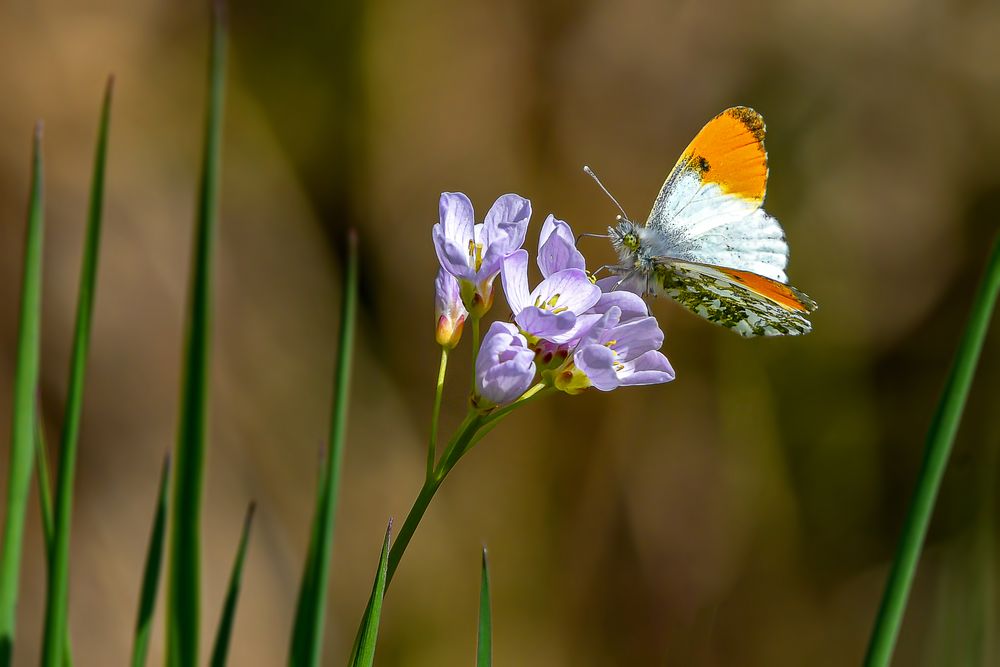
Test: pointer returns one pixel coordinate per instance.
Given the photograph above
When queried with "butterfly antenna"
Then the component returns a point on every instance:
(590, 172)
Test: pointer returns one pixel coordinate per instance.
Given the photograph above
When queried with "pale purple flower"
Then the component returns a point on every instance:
(557, 248)
(555, 309)
(448, 309)
(617, 352)
(474, 253)
(505, 366)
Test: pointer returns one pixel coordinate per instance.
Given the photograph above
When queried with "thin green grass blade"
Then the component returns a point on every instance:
(22, 438)
(45, 505)
(151, 572)
(44, 487)
(364, 654)
(56, 625)
(221, 648)
(184, 585)
(306, 648)
(940, 437)
(484, 647)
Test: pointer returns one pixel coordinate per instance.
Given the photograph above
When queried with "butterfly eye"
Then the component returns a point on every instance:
(631, 241)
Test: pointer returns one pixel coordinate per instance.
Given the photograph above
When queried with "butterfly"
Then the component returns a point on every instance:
(708, 243)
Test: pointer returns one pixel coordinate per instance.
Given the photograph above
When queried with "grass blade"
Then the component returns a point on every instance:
(54, 639)
(24, 415)
(307, 633)
(221, 649)
(484, 647)
(940, 437)
(45, 505)
(151, 572)
(364, 654)
(44, 487)
(183, 604)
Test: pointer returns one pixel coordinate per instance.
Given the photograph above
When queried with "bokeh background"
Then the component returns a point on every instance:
(743, 515)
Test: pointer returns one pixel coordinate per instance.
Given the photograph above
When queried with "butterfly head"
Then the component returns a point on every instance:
(625, 237)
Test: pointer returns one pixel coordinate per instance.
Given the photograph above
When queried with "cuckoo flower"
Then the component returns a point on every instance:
(557, 248)
(448, 309)
(474, 253)
(505, 366)
(616, 352)
(556, 310)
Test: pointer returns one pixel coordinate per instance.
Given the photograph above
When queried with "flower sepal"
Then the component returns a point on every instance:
(568, 379)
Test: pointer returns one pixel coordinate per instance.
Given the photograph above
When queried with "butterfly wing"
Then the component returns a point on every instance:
(747, 303)
(709, 208)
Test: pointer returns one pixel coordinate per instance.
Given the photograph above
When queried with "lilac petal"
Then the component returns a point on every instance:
(557, 248)
(584, 325)
(599, 332)
(515, 281)
(630, 304)
(553, 327)
(506, 381)
(447, 294)
(598, 363)
(453, 259)
(637, 337)
(457, 218)
(505, 366)
(503, 230)
(650, 368)
(571, 289)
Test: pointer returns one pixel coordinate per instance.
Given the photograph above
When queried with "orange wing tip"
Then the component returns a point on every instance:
(751, 120)
(784, 295)
(729, 152)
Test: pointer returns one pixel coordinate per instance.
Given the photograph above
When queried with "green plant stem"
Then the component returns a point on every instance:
(151, 572)
(24, 416)
(435, 415)
(45, 507)
(307, 632)
(56, 610)
(459, 441)
(220, 651)
(940, 437)
(475, 426)
(184, 581)
(44, 487)
(484, 643)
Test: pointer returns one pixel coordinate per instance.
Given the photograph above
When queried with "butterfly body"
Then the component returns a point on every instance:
(708, 243)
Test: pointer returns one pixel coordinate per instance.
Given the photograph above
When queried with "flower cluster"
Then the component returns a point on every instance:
(567, 331)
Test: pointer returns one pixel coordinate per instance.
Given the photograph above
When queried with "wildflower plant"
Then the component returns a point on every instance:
(565, 334)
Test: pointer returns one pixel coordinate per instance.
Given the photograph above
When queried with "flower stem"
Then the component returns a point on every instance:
(432, 445)
(464, 434)
(940, 437)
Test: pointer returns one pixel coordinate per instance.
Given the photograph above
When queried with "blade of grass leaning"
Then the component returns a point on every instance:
(940, 437)
(44, 488)
(23, 415)
(184, 583)
(45, 507)
(484, 645)
(151, 572)
(221, 649)
(307, 632)
(364, 653)
(57, 602)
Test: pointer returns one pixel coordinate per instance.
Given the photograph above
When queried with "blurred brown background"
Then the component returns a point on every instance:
(743, 515)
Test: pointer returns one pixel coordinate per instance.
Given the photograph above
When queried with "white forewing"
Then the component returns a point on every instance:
(697, 221)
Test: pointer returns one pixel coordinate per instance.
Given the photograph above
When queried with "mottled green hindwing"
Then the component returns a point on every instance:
(717, 297)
